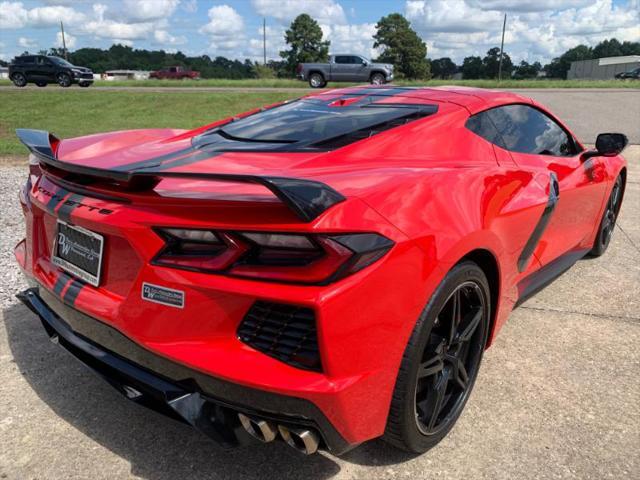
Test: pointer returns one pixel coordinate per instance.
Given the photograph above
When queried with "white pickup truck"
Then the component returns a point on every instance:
(345, 68)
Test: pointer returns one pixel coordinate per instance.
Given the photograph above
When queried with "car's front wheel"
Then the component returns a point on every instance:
(316, 80)
(377, 79)
(441, 361)
(19, 79)
(609, 217)
(64, 80)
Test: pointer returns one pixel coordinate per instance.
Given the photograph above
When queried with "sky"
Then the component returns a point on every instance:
(537, 30)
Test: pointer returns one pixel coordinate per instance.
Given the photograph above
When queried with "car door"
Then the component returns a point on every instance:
(47, 69)
(540, 144)
(340, 68)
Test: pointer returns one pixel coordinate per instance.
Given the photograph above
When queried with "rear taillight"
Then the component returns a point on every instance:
(299, 68)
(284, 257)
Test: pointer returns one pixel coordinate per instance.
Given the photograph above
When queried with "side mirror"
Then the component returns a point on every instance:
(607, 145)
(365, 63)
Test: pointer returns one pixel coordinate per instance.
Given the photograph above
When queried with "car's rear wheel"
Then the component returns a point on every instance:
(64, 80)
(609, 217)
(441, 361)
(377, 79)
(41, 84)
(19, 79)
(316, 80)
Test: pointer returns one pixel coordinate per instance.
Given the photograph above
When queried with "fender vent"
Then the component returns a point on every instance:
(285, 332)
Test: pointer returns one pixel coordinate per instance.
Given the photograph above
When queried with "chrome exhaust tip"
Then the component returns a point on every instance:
(305, 441)
(258, 428)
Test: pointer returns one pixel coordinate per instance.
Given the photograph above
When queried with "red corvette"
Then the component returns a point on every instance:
(323, 271)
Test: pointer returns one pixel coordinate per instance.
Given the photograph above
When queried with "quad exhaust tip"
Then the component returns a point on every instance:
(303, 440)
(258, 428)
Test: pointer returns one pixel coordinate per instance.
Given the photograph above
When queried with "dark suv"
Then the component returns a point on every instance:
(43, 69)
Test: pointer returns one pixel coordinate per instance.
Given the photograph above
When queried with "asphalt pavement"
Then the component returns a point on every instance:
(557, 395)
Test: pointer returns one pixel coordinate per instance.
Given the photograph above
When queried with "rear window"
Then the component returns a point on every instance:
(313, 122)
(23, 59)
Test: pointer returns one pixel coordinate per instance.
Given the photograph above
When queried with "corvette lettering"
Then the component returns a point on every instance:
(74, 203)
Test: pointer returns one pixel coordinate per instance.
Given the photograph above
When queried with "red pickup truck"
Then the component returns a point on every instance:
(175, 73)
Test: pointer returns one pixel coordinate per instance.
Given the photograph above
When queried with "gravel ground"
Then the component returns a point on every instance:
(11, 280)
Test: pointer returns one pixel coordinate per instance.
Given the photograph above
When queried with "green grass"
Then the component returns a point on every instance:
(290, 83)
(71, 113)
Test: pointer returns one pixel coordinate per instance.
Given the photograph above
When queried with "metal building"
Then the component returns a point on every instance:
(602, 68)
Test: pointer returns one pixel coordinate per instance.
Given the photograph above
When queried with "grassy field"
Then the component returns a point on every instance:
(70, 113)
(290, 83)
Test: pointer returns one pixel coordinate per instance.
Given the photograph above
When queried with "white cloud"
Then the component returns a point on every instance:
(25, 42)
(145, 10)
(225, 28)
(69, 39)
(536, 30)
(14, 15)
(356, 38)
(165, 38)
(327, 12)
(120, 32)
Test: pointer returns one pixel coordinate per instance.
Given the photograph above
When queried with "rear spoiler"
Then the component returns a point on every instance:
(308, 199)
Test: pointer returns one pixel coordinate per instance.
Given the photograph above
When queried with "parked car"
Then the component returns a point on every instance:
(175, 73)
(45, 69)
(324, 271)
(345, 68)
(631, 74)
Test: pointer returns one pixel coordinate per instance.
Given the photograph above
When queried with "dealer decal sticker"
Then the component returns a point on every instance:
(162, 295)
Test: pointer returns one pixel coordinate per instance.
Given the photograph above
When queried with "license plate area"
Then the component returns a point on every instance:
(78, 251)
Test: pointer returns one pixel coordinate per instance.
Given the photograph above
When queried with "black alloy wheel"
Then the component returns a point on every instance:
(450, 359)
(441, 361)
(64, 80)
(608, 223)
(19, 80)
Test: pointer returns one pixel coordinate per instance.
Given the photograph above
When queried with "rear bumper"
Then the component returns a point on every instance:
(208, 404)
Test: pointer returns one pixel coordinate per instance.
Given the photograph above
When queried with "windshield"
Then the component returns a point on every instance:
(310, 121)
(60, 61)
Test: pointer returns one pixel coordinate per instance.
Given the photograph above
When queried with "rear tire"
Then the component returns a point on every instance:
(64, 80)
(609, 217)
(441, 361)
(316, 80)
(19, 79)
(377, 79)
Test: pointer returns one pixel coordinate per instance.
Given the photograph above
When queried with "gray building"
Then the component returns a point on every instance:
(602, 68)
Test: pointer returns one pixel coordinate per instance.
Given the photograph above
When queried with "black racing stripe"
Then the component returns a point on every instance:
(55, 200)
(64, 212)
(191, 159)
(155, 161)
(532, 242)
(62, 280)
(72, 292)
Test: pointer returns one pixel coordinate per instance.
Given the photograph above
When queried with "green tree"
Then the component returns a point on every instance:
(608, 48)
(526, 70)
(401, 46)
(472, 68)
(559, 66)
(491, 64)
(304, 38)
(443, 68)
(630, 48)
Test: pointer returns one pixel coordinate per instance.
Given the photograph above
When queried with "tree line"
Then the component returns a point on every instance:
(398, 43)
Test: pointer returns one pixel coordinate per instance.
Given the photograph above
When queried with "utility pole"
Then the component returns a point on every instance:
(264, 40)
(64, 43)
(504, 26)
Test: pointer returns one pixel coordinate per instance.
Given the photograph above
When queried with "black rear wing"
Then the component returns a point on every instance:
(308, 199)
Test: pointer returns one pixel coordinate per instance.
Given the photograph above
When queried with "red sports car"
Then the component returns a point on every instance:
(322, 271)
